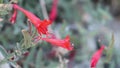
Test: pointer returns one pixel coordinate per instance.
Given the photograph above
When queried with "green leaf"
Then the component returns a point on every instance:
(29, 58)
(4, 52)
(110, 49)
(38, 59)
(27, 40)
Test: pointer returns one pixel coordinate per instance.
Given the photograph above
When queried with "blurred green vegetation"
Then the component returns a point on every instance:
(85, 21)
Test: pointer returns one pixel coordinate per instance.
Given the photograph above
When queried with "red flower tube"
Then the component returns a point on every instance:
(14, 16)
(96, 56)
(40, 25)
(65, 43)
(53, 12)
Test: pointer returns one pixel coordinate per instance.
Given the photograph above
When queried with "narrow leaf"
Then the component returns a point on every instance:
(110, 49)
(38, 59)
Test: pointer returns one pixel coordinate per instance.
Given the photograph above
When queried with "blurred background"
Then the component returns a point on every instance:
(89, 23)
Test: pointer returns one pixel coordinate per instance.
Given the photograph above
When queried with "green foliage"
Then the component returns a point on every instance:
(109, 52)
(39, 59)
(1, 1)
(69, 22)
(30, 58)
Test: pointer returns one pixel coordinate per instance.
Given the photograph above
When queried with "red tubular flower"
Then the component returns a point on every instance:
(14, 16)
(65, 43)
(53, 12)
(96, 56)
(40, 25)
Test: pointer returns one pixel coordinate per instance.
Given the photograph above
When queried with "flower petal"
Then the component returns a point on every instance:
(96, 56)
(65, 43)
(53, 13)
(14, 16)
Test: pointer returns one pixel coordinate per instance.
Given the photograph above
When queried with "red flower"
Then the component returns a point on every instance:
(40, 25)
(65, 43)
(14, 16)
(53, 12)
(96, 56)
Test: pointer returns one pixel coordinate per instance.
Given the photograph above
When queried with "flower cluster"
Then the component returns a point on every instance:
(42, 25)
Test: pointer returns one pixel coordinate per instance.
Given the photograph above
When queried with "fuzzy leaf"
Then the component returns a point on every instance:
(38, 59)
(29, 58)
(27, 40)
